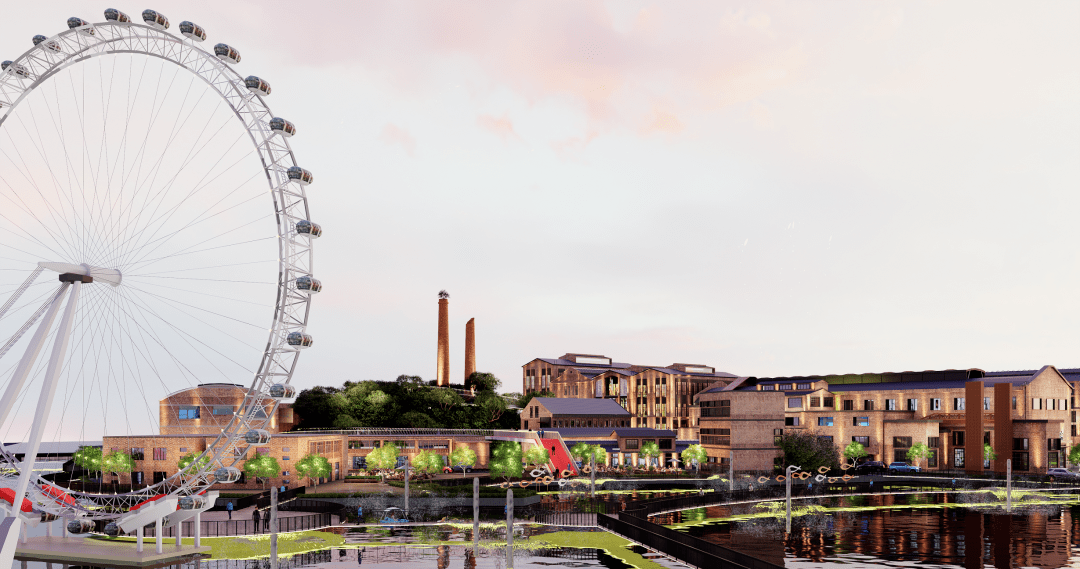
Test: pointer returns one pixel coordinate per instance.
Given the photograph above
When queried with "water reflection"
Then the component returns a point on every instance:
(1036, 536)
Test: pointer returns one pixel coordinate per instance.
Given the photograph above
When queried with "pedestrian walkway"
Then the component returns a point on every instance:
(217, 523)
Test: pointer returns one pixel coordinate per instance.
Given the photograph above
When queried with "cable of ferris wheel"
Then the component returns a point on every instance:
(18, 292)
(26, 326)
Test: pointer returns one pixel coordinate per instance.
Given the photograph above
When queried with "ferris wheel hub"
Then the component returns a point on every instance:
(110, 276)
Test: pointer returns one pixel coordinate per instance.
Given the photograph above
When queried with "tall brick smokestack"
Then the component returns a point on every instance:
(470, 348)
(442, 369)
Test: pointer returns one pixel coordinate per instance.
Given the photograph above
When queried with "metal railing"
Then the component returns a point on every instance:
(682, 546)
(399, 432)
(220, 528)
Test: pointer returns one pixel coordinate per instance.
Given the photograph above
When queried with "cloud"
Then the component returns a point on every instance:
(500, 127)
(663, 121)
(393, 134)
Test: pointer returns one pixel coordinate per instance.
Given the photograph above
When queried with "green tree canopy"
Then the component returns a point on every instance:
(463, 457)
(537, 456)
(493, 405)
(427, 462)
(1074, 454)
(583, 451)
(649, 451)
(313, 466)
(506, 460)
(917, 453)
(446, 398)
(89, 458)
(854, 451)
(188, 460)
(694, 454)
(808, 450)
(483, 382)
(384, 457)
(118, 461)
(261, 466)
(988, 452)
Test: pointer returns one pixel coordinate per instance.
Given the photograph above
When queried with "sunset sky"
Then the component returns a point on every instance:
(769, 188)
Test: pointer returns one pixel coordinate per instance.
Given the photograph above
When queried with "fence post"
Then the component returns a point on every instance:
(592, 475)
(475, 514)
(509, 528)
(273, 527)
(1008, 485)
(790, 470)
(406, 487)
(731, 473)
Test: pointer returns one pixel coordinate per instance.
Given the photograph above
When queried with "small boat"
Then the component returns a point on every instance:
(393, 515)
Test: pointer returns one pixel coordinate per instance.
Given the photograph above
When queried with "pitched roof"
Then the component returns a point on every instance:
(643, 432)
(576, 406)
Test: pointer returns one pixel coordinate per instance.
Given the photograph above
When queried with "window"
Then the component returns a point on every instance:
(1036, 403)
(791, 421)
(1020, 444)
(890, 405)
(860, 421)
(137, 454)
(900, 455)
(725, 408)
(901, 442)
(803, 386)
(794, 402)
(137, 477)
(159, 453)
(768, 387)
(285, 458)
(958, 438)
(931, 461)
(935, 404)
(220, 410)
(828, 402)
(664, 444)
(1014, 402)
(1073, 431)
(262, 450)
(718, 437)
(1020, 461)
(183, 450)
(868, 405)
(958, 403)
(912, 404)
(826, 438)
(785, 387)
(631, 443)
(1053, 444)
(189, 412)
(815, 402)
(777, 435)
(958, 458)
(933, 442)
(864, 441)
(849, 405)
(825, 421)
(159, 477)
(284, 472)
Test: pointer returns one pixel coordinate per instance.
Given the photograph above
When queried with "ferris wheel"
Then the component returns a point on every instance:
(134, 169)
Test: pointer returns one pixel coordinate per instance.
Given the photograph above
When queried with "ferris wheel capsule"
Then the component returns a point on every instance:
(111, 529)
(116, 16)
(282, 126)
(309, 229)
(81, 24)
(15, 69)
(257, 86)
(155, 19)
(225, 52)
(192, 31)
(282, 391)
(80, 526)
(49, 44)
(299, 340)
(310, 284)
(192, 502)
(257, 437)
(226, 475)
(298, 174)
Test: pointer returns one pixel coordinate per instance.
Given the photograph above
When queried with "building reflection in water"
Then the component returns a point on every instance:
(1041, 536)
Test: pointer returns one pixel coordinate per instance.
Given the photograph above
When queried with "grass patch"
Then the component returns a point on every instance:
(612, 544)
(254, 546)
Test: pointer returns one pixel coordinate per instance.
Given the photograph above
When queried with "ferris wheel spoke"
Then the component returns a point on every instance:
(61, 132)
(123, 215)
(201, 309)
(26, 235)
(148, 262)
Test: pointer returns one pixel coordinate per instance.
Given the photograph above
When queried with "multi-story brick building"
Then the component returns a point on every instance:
(659, 397)
(623, 445)
(553, 412)
(739, 428)
(1027, 416)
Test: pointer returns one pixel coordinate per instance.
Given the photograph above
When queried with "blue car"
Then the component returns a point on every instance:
(898, 467)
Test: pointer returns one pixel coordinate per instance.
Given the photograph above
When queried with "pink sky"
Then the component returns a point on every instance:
(765, 187)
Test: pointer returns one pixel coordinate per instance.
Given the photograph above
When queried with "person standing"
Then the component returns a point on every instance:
(359, 514)
(229, 508)
(266, 521)
(256, 519)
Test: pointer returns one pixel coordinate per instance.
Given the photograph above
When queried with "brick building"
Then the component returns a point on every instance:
(741, 427)
(1028, 416)
(659, 397)
(552, 412)
(623, 445)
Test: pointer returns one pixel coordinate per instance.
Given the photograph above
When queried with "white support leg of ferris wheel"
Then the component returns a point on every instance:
(45, 400)
(15, 385)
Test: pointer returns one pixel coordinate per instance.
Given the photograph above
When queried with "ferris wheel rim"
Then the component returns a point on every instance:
(292, 309)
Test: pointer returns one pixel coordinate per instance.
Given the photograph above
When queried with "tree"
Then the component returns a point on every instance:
(988, 452)
(262, 466)
(583, 451)
(118, 462)
(446, 398)
(188, 464)
(537, 456)
(483, 382)
(808, 450)
(1074, 455)
(89, 459)
(506, 460)
(316, 408)
(493, 405)
(917, 453)
(427, 462)
(463, 457)
(384, 458)
(696, 455)
(854, 451)
(649, 450)
(525, 399)
(313, 466)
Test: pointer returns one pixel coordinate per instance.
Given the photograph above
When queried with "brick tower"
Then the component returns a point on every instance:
(442, 370)
(470, 348)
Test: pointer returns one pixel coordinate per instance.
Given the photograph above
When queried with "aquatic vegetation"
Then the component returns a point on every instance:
(255, 546)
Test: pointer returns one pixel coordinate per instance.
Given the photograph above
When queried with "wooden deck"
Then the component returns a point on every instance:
(79, 550)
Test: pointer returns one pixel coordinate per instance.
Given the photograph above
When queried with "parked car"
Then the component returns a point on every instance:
(898, 467)
(871, 467)
(1062, 474)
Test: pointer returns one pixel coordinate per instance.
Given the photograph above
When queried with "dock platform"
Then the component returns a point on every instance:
(78, 550)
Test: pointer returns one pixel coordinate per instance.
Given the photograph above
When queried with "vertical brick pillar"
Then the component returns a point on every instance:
(973, 427)
(1002, 425)
(470, 347)
(442, 369)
